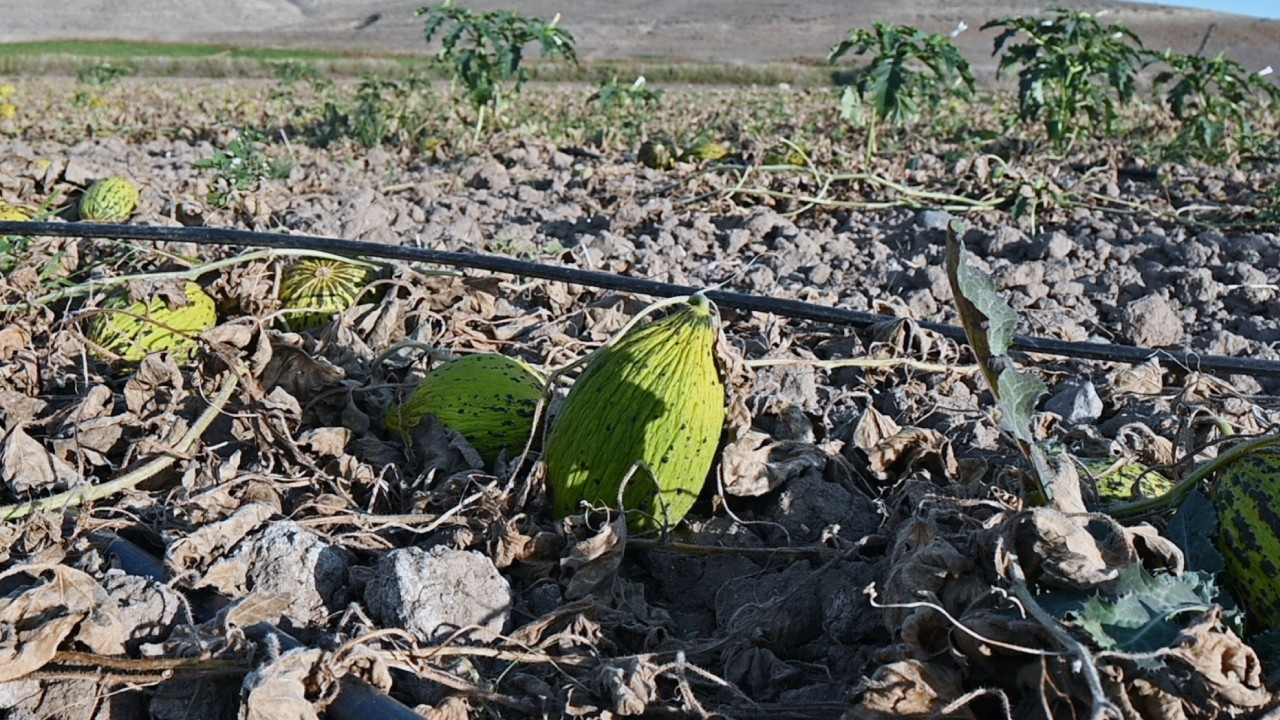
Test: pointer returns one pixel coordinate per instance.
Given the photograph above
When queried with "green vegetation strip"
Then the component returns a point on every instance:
(739, 301)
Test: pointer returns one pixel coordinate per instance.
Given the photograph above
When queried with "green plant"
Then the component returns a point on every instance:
(102, 73)
(383, 111)
(1213, 98)
(612, 95)
(1068, 65)
(484, 51)
(620, 109)
(241, 168)
(290, 72)
(908, 67)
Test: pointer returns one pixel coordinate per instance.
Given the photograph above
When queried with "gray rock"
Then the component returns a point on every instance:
(934, 219)
(432, 593)
(1152, 322)
(1077, 403)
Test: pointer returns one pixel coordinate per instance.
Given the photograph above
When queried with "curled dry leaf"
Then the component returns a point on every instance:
(908, 689)
(910, 448)
(928, 567)
(27, 468)
(285, 688)
(47, 605)
(203, 546)
(629, 683)
(1059, 551)
(1208, 672)
(755, 464)
(595, 559)
(154, 387)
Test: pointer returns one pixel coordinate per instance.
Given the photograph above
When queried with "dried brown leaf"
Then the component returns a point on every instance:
(1057, 550)
(912, 447)
(26, 467)
(596, 559)
(210, 543)
(629, 683)
(280, 690)
(51, 604)
(908, 689)
(330, 442)
(18, 408)
(154, 386)
(873, 428)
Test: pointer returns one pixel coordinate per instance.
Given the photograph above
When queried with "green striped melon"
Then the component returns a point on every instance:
(109, 200)
(653, 396)
(131, 329)
(316, 289)
(490, 399)
(1120, 481)
(1247, 499)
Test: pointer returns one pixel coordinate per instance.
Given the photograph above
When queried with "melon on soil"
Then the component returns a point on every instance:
(316, 289)
(131, 329)
(109, 200)
(1246, 496)
(653, 397)
(488, 398)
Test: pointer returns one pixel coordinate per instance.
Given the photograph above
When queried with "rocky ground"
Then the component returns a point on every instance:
(868, 488)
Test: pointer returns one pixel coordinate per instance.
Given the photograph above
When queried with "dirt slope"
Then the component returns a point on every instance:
(745, 31)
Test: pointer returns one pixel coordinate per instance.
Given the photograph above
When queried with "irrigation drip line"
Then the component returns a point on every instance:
(739, 301)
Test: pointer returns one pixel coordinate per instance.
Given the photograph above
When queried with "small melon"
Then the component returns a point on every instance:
(654, 396)
(109, 200)
(490, 399)
(316, 289)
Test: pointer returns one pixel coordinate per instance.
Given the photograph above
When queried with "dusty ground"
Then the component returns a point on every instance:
(714, 31)
(870, 487)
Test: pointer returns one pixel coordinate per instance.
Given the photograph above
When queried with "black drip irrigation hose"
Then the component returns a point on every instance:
(356, 699)
(798, 309)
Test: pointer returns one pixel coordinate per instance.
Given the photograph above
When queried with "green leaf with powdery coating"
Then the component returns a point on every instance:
(1192, 528)
(1146, 612)
(1018, 394)
(977, 287)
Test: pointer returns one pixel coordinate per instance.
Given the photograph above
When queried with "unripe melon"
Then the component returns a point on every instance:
(658, 154)
(316, 289)
(654, 396)
(489, 399)
(110, 200)
(1247, 499)
(1123, 481)
(132, 329)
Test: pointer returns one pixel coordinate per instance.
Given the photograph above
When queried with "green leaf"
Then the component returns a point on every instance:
(978, 289)
(1018, 394)
(1191, 529)
(1146, 612)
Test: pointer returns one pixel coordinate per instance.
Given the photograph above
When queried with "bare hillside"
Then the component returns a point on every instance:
(744, 31)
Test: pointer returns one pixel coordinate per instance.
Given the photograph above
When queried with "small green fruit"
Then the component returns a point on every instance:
(316, 289)
(14, 213)
(653, 396)
(109, 200)
(490, 399)
(783, 154)
(658, 154)
(1120, 481)
(706, 150)
(132, 329)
